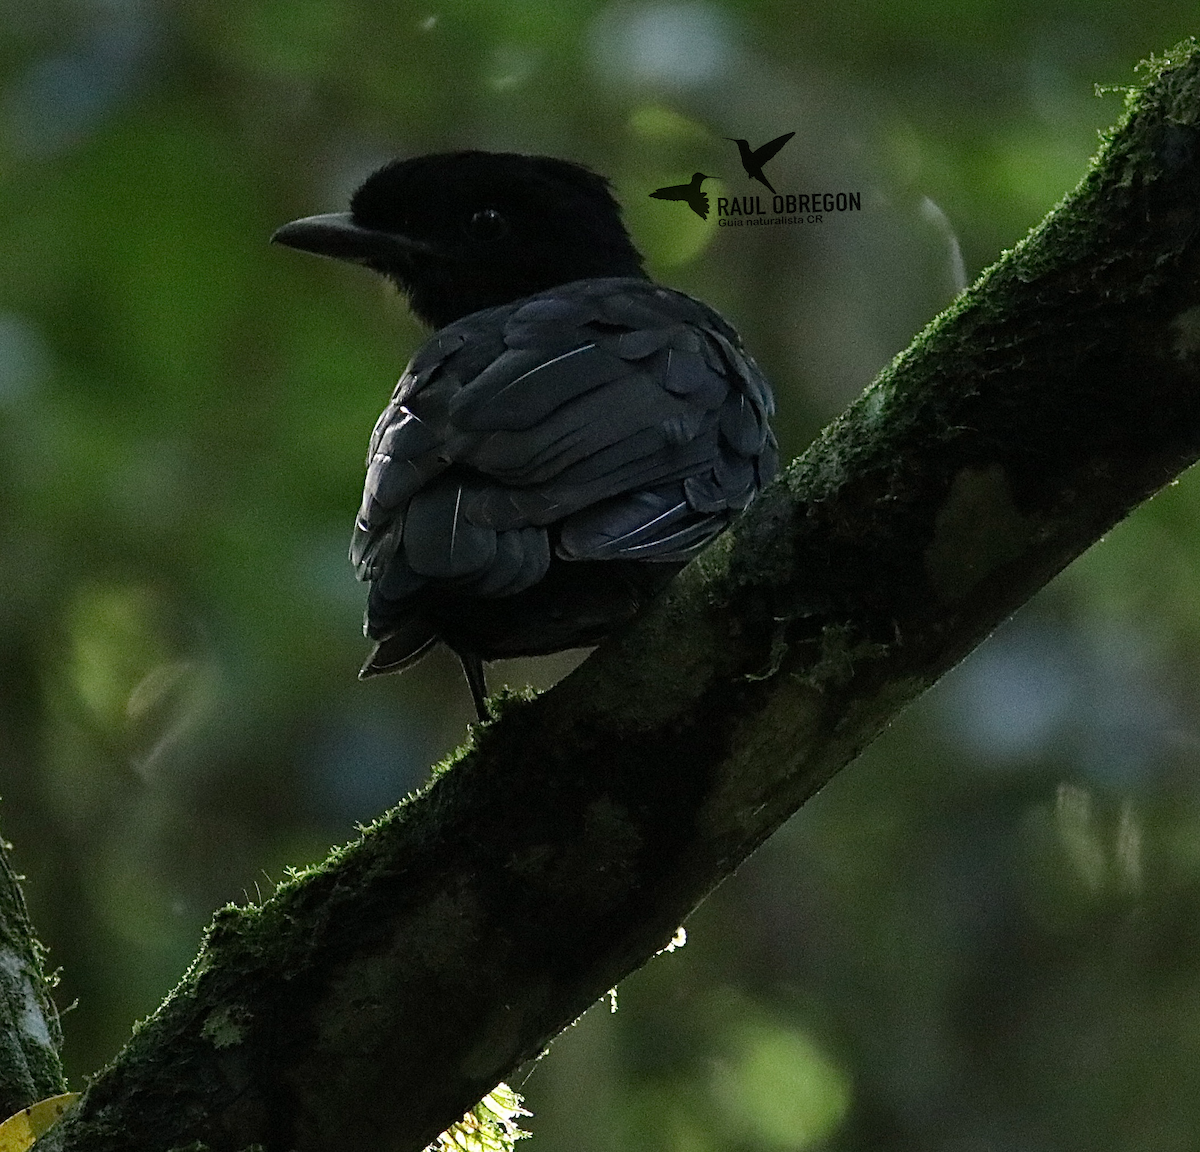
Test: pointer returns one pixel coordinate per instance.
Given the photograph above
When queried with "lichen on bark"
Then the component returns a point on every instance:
(30, 1035)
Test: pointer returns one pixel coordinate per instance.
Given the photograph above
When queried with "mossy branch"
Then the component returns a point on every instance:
(372, 1001)
(30, 1037)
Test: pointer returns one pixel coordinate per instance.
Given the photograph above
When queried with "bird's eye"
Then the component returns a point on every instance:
(487, 224)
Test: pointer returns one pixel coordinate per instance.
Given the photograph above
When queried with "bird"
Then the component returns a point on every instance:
(696, 200)
(570, 435)
(753, 159)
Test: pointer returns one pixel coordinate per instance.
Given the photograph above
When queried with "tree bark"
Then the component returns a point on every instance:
(373, 1000)
(30, 1037)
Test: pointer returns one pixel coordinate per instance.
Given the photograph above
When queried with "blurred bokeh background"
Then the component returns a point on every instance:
(984, 935)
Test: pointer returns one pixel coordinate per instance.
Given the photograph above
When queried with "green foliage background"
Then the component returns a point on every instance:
(984, 935)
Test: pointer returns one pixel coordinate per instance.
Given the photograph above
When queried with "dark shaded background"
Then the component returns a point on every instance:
(984, 935)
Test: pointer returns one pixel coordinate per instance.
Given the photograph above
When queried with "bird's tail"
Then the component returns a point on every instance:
(400, 649)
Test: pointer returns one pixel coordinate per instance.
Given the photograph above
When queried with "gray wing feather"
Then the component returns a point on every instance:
(743, 425)
(397, 580)
(654, 525)
(639, 344)
(405, 459)
(547, 309)
(439, 540)
(689, 374)
(519, 402)
(522, 559)
(570, 434)
(604, 419)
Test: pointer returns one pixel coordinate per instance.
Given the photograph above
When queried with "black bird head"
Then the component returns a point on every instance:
(461, 231)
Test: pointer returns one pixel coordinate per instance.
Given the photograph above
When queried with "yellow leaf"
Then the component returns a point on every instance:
(18, 1132)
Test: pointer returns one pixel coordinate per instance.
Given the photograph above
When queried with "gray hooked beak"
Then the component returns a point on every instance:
(337, 235)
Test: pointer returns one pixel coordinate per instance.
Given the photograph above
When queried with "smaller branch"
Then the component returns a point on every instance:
(30, 1035)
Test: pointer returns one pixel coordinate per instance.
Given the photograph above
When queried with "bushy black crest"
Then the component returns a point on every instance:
(399, 193)
(493, 227)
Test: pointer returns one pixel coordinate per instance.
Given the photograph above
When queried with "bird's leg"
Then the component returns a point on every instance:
(473, 670)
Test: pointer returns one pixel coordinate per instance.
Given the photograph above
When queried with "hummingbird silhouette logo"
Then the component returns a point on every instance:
(753, 159)
(696, 200)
